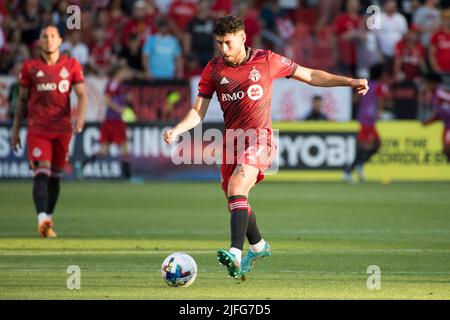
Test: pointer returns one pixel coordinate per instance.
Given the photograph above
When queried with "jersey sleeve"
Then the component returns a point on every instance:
(280, 66)
(77, 75)
(206, 86)
(24, 75)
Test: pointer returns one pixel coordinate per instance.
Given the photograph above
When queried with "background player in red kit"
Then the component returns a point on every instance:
(44, 95)
(441, 106)
(242, 78)
(113, 129)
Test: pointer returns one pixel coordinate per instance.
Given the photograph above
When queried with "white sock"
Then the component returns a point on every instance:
(258, 247)
(237, 253)
(42, 216)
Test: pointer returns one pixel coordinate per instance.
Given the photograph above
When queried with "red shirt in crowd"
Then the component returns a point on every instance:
(411, 57)
(347, 49)
(441, 40)
(182, 11)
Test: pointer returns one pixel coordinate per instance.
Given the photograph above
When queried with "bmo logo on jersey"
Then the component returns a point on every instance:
(233, 96)
(254, 92)
(46, 86)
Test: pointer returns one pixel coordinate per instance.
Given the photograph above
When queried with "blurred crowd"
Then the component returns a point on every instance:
(173, 39)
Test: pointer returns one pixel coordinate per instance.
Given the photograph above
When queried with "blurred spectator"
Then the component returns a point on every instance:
(408, 7)
(316, 110)
(328, 9)
(324, 54)
(131, 53)
(409, 59)
(221, 8)
(74, 47)
(102, 58)
(162, 58)
(181, 12)
(110, 29)
(13, 51)
(346, 27)
(2, 39)
(393, 27)
(250, 16)
(59, 16)
(368, 52)
(30, 21)
(14, 91)
(141, 23)
(301, 51)
(428, 19)
(191, 66)
(270, 37)
(439, 52)
(199, 39)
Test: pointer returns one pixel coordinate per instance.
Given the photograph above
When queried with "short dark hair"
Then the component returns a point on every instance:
(377, 71)
(50, 25)
(228, 24)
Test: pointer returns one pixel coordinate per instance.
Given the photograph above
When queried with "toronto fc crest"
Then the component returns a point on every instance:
(254, 75)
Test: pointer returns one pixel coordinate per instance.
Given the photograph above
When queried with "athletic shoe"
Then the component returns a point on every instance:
(347, 177)
(45, 229)
(230, 261)
(251, 258)
(78, 170)
(361, 175)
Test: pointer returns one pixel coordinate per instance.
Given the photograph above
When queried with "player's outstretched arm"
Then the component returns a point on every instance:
(321, 78)
(80, 90)
(21, 107)
(190, 120)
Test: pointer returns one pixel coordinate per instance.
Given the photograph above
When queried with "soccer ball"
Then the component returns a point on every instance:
(179, 270)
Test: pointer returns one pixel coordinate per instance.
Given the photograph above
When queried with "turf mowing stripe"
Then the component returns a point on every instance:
(40, 252)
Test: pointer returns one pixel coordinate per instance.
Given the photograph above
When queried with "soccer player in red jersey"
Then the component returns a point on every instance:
(44, 95)
(242, 78)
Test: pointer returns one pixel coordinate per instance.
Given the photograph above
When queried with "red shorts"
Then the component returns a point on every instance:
(446, 137)
(113, 131)
(49, 147)
(368, 135)
(258, 154)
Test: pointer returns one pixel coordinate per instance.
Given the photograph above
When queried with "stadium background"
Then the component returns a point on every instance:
(114, 32)
(324, 234)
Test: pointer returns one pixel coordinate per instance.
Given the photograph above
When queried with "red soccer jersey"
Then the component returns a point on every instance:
(49, 98)
(182, 11)
(245, 91)
(347, 49)
(410, 57)
(441, 40)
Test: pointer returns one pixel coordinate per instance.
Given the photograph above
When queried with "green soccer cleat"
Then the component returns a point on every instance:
(229, 260)
(251, 258)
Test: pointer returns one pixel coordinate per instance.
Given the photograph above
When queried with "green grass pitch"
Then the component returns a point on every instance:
(323, 235)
